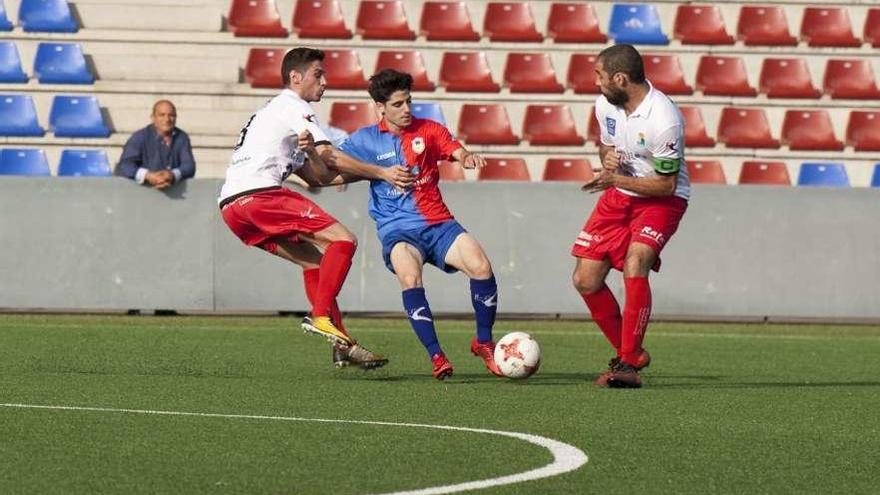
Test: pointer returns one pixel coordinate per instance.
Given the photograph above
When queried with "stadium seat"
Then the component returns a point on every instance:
(768, 173)
(23, 161)
(510, 21)
(263, 67)
(723, 76)
(5, 25)
(695, 135)
(548, 125)
(18, 116)
(582, 74)
(466, 71)
(447, 21)
(77, 116)
(700, 25)
(574, 23)
(485, 124)
(872, 27)
(745, 128)
(823, 174)
(531, 73)
(504, 169)
(409, 61)
(828, 26)
(61, 63)
(428, 110)
(809, 130)
(665, 73)
(450, 171)
(593, 130)
(351, 116)
(343, 70)
(46, 16)
(637, 24)
(258, 18)
(764, 25)
(863, 130)
(568, 169)
(10, 64)
(319, 19)
(383, 20)
(850, 79)
(81, 163)
(787, 78)
(875, 177)
(706, 172)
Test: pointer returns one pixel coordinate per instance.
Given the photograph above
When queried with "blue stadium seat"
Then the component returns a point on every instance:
(92, 163)
(5, 25)
(428, 110)
(823, 175)
(875, 179)
(77, 116)
(23, 161)
(18, 116)
(61, 63)
(636, 23)
(46, 16)
(10, 64)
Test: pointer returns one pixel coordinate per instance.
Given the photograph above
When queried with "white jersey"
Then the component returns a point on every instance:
(650, 140)
(267, 152)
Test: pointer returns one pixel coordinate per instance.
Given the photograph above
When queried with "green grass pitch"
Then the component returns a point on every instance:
(725, 409)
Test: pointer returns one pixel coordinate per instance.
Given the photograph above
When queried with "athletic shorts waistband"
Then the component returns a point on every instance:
(232, 198)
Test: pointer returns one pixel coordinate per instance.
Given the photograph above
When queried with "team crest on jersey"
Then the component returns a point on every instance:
(418, 145)
(611, 125)
(641, 139)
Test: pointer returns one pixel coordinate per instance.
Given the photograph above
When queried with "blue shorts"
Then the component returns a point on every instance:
(432, 241)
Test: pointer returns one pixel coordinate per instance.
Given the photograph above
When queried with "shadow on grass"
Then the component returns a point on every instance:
(661, 382)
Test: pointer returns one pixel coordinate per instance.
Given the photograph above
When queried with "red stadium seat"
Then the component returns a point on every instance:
(319, 19)
(723, 76)
(582, 74)
(450, 171)
(787, 78)
(531, 73)
(664, 72)
(745, 128)
(828, 26)
(594, 132)
(574, 23)
(695, 135)
(850, 79)
(568, 169)
(466, 71)
(510, 21)
(383, 20)
(809, 130)
(447, 21)
(701, 25)
(255, 18)
(764, 25)
(550, 125)
(410, 62)
(351, 116)
(505, 169)
(768, 173)
(343, 70)
(706, 172)
(263, 68)
(872, 27)
(863, 130)
(485, 124)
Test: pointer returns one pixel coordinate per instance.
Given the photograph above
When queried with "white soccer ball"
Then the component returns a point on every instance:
(518, 355)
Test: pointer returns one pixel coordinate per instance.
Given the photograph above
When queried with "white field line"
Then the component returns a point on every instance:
(565, 457)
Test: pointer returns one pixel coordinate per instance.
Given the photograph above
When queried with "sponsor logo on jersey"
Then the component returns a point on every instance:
(611, 125)
(418, 145)
(383, 156)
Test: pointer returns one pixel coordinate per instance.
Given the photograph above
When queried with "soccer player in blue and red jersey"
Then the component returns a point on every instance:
(414, 225)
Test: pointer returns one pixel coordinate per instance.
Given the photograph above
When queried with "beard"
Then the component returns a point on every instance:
(616, 97)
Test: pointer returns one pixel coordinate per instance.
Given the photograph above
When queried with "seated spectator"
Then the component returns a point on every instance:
(160, 154)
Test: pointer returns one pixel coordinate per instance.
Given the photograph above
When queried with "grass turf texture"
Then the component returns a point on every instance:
(725, 409)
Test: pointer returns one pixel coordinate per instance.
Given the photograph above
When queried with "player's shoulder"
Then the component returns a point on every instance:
(603, 107)
(664, 112)
(288, 100)
(364, 135)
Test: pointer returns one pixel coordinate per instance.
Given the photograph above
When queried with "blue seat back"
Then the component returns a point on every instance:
(81, 163)
(61, 63)
(23, 161)
(46, 16)
(5, 25)
(636, 23)
(875, 178)
(10, 64)
(18, 116)
(77, 116)
(428, 110)
(823, 175)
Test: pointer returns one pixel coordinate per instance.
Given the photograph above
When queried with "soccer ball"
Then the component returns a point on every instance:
(518, 355)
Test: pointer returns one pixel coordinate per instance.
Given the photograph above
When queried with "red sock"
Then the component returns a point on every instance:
(334, 268)
(606, 313)
(636, 313)
(311, 278)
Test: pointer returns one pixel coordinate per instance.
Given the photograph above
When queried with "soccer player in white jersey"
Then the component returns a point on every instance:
(284, 137)
(646, 190)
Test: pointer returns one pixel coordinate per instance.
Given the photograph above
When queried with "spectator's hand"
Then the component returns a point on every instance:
(600, 182)
(612, 160)
(159, 179)
(398, 176)
(306, 141)
(473, 160)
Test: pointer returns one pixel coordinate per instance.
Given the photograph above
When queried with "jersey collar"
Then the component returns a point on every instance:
(644, 108)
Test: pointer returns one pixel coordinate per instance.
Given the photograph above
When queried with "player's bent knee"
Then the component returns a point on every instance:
(409, 281)
(586, 283)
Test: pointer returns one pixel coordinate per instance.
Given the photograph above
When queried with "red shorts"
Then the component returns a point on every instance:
(620, 219)
(261, 218)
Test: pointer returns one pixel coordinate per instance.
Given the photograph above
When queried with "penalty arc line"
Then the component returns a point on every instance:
(566, 457)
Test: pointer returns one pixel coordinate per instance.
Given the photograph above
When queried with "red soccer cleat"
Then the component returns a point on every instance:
(486, 352)
(642, 363)
(442, 366)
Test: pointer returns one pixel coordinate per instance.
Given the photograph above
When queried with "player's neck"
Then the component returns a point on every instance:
(393, 128)
(636, 97)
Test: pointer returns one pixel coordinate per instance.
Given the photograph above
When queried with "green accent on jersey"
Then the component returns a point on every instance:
(667, 165)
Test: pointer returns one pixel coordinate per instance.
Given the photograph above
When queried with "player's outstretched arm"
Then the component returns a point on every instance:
(397, 175)
(660, 185)
(467, 159)
(315, 171)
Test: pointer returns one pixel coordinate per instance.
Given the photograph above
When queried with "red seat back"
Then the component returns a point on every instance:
(450, 171)
(263, 68)
(582, 74)
(665, 73)
(530, 73)
(701, 25)
(809, 130)
(745, 128)
(319, 19)
(828, 26)
(706, 172)
(351, 116)
(850, 79)
(574, 23)
(863, 130)
(383, 20)
(787, 78)
(466, 71)
(872, 27)
(510, 21)
(505, 169)
(447, 21)
(255, 18)
(768, 173)
(695, 135)
(343, 70)
(764, 25)
(723, 76)
(550, 125)
(410, 62)
(568, 169)
(485, 124)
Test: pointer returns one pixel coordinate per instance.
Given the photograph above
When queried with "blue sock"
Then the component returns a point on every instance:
(416, 305)
(484, 296)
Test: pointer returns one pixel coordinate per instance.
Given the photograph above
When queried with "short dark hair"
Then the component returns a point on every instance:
(299, 60)
(386, 82)
(623, 58)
